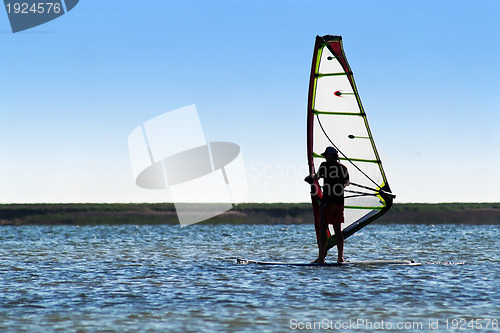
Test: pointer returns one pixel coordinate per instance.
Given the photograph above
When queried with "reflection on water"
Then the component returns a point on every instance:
(167, 278)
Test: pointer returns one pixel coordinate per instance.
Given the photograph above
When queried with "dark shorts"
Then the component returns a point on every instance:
(333, 213)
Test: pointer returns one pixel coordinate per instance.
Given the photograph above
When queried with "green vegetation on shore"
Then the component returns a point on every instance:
(248, 213)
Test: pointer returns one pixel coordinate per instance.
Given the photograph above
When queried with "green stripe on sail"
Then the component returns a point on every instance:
(338, 113)
(316, 69)
(316, 155)
(330, 74)
(367, 208)
(359, 160)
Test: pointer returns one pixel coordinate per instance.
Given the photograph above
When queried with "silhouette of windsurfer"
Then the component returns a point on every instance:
(335, 177)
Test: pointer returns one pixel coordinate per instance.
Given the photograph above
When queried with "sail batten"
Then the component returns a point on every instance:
(335, 117)
(330, 74)
(338, 113)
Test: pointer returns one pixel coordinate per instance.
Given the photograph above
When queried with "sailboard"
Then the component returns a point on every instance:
(346, 263)
(335, 117)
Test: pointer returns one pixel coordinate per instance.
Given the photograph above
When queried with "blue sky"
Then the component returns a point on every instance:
(73, 89)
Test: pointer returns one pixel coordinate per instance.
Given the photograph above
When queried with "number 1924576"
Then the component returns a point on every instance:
(472, 324)
(36, 8)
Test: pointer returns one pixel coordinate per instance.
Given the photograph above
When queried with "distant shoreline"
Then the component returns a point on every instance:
(247, 213)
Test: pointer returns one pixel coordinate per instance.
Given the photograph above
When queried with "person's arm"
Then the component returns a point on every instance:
(315, 176)
(311, 178)
(346, 178)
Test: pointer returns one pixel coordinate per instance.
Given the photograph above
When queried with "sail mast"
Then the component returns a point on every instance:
(316, 193)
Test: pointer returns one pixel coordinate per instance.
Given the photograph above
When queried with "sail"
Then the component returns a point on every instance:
(335, 117)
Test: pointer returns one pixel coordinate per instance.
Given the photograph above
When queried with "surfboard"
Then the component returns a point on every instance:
(347, 263)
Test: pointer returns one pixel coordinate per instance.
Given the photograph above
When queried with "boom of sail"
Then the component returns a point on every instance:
(335, 117)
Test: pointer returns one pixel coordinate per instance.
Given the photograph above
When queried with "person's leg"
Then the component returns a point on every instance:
(323, 226)
(339, 239)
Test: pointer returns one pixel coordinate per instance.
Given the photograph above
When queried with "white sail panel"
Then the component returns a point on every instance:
(342, 99)
(329, 63)
(335, 130)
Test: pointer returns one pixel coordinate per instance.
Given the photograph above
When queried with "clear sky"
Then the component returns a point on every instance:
(73, 89)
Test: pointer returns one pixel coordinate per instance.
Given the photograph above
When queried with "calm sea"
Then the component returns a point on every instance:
(171, 279)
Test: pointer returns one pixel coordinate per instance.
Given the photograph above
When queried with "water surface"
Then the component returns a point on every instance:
(166, 278)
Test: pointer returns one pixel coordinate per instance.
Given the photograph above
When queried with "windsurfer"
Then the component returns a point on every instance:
(335, 176)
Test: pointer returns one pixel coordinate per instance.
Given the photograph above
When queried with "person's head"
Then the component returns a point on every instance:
(331, 154)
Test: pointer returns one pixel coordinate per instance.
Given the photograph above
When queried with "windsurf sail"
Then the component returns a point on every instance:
(335, 117)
